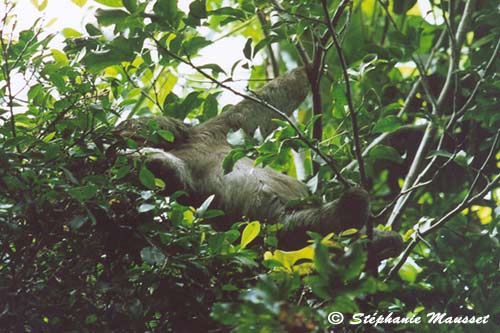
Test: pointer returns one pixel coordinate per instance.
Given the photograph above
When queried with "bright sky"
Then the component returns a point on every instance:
(60, 14)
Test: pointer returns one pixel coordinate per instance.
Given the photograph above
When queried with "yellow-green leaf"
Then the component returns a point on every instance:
(49, 136)
(71, 33)
(79, 3)
(40, 5)
(251, 231)
(159, 183)
(289, 258)
(409, 271)
(164, 85)
(51, 22)
(349, 232)
(59, 56)
(147, 178)
(111, 3)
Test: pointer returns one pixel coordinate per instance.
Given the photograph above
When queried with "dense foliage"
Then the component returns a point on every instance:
(88, 243)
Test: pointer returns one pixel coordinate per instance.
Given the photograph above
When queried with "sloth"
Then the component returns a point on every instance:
(192, 162)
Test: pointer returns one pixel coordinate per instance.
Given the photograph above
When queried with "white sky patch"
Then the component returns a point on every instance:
(225, 52)
(431, 15)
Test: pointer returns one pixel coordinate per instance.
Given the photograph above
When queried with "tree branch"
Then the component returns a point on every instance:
(467, 201)
(352, 111)
(430, 130)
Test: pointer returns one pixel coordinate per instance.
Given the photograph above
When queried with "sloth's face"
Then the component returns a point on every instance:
(144, 132)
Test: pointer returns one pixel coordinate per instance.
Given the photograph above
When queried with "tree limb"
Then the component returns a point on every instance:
(430, 130)
(467, 201)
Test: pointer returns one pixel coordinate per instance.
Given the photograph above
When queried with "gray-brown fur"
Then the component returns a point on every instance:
(193, 163)
(284, 93)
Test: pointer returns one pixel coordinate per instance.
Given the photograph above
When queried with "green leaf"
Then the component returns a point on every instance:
(210, 107)
(260, 45)
(77, 222)
(194, 44)
(35, 91)
(247, 50)
(232, 235)
(345, 304)
(122, 171)
(40, 5)
(91, 319)
(71, 33)
(111, 3)
(131, 5)
(49, 137)
(216, 242)
(159, 183)
(198, 8)
(166, 135)
(120, 49)
(251, 231)
(107, 17)
(409, 271)
(197, 11)
(462, 159)
(402, 6)
(353, 261)
(441, 153)
(387, 125)
(153, 256)
(348, 232)
(323, 263)
(83, 193)
(231, 159)
(213, 213)
(237, 14)
(216, 69)
(382, 152)
(92, 30)
(147, 178)
(168, 10)
(70, 176)
(59, 56)
(79, 3)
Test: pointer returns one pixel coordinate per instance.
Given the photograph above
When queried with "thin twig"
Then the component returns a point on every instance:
(462, 110)
(352, 111)
(143, 93)
(274, 63)
(417, 185)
